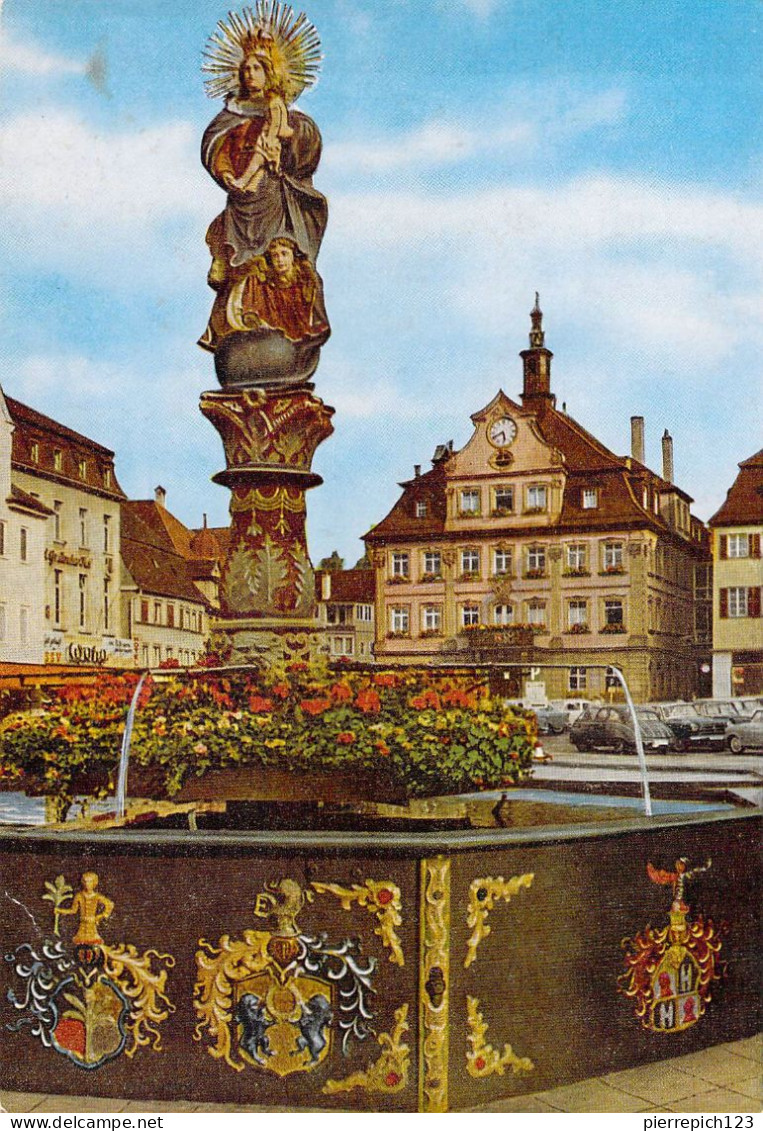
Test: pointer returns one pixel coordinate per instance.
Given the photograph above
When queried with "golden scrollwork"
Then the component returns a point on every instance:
(434, 984)
(381, 899)
(390, 1072)
(482, 1059)
(145, 988)
(482, 898)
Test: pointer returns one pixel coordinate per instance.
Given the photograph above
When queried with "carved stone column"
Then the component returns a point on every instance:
(267, 584)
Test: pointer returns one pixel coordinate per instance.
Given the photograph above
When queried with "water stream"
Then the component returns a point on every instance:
(124, 755)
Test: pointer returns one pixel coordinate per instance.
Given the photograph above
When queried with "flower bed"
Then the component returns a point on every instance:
(424, 733)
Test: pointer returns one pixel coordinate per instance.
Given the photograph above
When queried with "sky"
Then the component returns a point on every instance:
(475, 152)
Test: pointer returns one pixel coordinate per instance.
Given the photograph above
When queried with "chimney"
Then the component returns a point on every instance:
(667, 456)
(160, 495)
(204, 521)
(637, 438)
(416, 470)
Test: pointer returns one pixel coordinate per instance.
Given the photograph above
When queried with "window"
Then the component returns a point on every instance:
(24, 544)
(157, 655)
(3, 622)
(144, 612)
(58, 577)
(503, 499)
(23, 624)
(82, 468)
(106, 603)
(58, 460)
(590, 498)
(34, 452)
(738, 546)
(2, 539)
(107, 477)
(421, 508)
(431, 618)
(144, 655)
(470, 615)
(737, 602)
(170, 616)
(501, 561)
(470, 561)
(613, 613)
(433, 563)
(342, 645)
(536, 498)
(364, 612)
(470, 501)
(577, 614)
(578, 679)
(157, 612)
(503, 614)
(645, 498)
(536, 614)
(613, 557)
(339, 614)
(58, 506)
(536, 560)
(106, 533)
(399, 621)
(82, 526)
(576, 558)
(400, 565)
(83, 600)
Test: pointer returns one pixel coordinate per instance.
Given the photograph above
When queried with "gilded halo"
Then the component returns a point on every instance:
(290, 40)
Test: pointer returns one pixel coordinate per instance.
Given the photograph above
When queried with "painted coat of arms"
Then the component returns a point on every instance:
(277, 1000)
(671, 971)
(87, 999)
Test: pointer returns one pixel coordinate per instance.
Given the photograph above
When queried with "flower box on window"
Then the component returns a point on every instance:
(469, 514)
(470, 575)
(427, 577)
(502, 573)
(501, 512)
(611, 569)
(428, 633)
(396, 635)
(399, 579)
(613, 629)
(577, 573)
(578, 629)
(534, 574)
(534, 510)
(539, 628)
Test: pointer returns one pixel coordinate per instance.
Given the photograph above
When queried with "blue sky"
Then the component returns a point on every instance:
(607, 155)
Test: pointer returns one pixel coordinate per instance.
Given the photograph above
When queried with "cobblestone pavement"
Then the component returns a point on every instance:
(723, 1080)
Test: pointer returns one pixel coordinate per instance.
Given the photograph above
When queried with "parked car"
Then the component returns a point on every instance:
(573, 708)
(746, 733)
(721, 708)
(612, 726)
(691, 729)
(550, 719)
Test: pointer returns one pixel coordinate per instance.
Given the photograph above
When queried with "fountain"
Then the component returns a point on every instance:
(298, 945)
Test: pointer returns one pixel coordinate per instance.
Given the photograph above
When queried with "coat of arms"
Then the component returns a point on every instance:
(670, 972)
(277, 1000)
(89, 1000)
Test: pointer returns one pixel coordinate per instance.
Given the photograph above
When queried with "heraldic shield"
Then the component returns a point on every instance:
(89, 1000)
(671, 971)
(277, 1000)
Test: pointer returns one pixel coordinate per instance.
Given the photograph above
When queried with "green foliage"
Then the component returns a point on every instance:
(429, 733)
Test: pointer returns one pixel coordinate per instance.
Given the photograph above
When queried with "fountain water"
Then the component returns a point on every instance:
(124, 755)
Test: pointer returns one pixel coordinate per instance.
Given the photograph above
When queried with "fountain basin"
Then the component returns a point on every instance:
(466, 1015)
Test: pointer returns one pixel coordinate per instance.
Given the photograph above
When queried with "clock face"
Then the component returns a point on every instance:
(502, 432)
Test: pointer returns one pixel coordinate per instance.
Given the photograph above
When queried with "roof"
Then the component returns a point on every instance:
(221, 536)
(25, 501)
(169, 530)
(350, 585)
(32, 427)
(151, 559)
(743, 505)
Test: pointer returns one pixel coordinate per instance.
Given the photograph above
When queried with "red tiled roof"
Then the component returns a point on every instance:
(402, 521)
(350, 585)
(150, 557)
(34, 427)
(743, 505)
(21, 498)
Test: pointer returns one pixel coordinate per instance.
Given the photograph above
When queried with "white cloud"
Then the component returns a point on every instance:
(29, 59)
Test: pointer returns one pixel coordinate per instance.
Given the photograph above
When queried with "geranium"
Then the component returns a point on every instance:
(341, 692)
(258, 705)
(430, 700)
(388, 679)
(281, 690)
(368, 701)
(315, 706)
(345, 738)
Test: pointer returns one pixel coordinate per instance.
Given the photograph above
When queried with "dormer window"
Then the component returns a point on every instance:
(590, 498)
(58, 460)
(34, 452)
(82, 468)
(107, 477)
(421, 508)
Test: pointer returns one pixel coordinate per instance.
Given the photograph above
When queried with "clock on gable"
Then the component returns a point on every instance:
(502, 432)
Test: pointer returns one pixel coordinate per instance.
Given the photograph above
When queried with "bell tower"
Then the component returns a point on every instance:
(537, 364)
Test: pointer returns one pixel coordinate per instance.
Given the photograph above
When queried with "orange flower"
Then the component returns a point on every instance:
(429, 699)
(368, 701)
(297, 666)
(388, 679)
(259, 705)
(281, 690)
(382, 748)
(315, 706)
(341, 692)
(345, 738)
(455, 697)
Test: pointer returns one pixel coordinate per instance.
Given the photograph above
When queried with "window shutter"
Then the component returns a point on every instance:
(754, 545)
(724, 544)
(724, 610)
(753, 601)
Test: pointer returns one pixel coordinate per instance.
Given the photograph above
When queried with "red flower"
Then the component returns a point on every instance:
(388, 679)
(315, 706)
(382, 748)
(341, 692)
(368, 701)
(345, 738)
(281, 690)
(259, 705)
(428, 699)
(455, 697)
(297, 666)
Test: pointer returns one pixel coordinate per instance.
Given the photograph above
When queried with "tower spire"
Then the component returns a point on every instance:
(537, 364)
(537, 334)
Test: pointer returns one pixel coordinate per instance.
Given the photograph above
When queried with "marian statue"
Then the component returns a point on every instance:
(268, 319)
